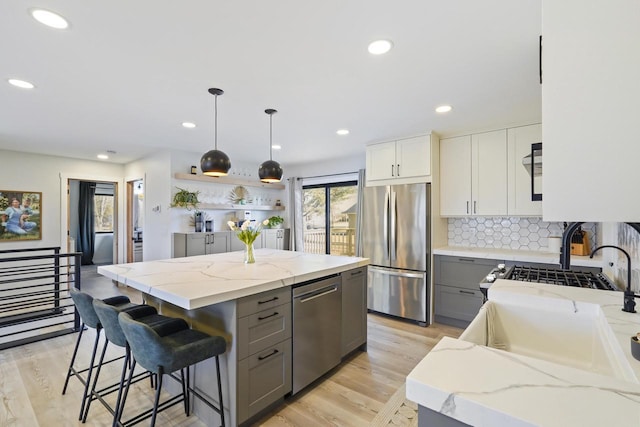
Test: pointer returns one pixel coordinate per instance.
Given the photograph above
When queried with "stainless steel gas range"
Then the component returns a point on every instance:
(552, 276)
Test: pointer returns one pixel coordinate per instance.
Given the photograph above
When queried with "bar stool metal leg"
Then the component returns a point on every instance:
(95, 381)
(86, 386)
(71, 370)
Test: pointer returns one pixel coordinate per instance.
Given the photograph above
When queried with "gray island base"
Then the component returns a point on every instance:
(251, 306)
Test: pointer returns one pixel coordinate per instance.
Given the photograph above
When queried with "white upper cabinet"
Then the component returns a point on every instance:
(455, 176)
(519, 180)
(399, 162)
(590, 110)
(473, 173)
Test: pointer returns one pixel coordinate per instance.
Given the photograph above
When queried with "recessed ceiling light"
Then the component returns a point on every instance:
(188, 125)
(21, 84)
(103, 156)
(443, 109)
(343, 132)
(379, 47)
(276, 147)
(50, 19)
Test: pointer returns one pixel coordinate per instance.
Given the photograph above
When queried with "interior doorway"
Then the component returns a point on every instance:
(92, 220)
(135, 220)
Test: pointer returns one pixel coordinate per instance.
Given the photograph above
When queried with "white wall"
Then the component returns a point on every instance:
(156, 172)
(590, 110)
(34, 172)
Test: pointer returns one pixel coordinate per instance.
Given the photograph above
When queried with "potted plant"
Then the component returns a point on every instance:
(185, 199)
(275, 221)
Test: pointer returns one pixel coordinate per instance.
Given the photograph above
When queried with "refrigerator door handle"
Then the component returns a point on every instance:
(394, 213)
(385, 224)
(387, 272)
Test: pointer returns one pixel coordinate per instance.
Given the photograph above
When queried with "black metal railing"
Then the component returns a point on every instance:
(35, 303)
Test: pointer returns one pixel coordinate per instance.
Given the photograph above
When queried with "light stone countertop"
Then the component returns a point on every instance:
(484, 386)
(198, 281)
(517, 255)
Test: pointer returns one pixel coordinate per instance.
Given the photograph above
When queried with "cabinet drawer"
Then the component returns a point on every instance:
(255, 303)
(457, 303)
(263, 378)
(463, 272)
(263, 329)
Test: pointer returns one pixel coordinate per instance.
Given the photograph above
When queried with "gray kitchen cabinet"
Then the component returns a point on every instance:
(354, 309)
(264, 351)
(190, 244)
(457, 296)
(276, 238)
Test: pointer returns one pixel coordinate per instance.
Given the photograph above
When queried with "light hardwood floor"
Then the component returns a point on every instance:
(32, 376)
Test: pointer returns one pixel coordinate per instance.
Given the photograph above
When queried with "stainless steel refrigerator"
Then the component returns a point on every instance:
(395, 237)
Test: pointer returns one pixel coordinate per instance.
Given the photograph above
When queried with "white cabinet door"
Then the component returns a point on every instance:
(455, 176)
(413, 157)
(381, 161)
(489, 169)
(519, 142)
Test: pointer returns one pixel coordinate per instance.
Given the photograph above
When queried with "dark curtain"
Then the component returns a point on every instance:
(86, 234)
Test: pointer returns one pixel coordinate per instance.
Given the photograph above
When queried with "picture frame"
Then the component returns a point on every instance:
(20, 215)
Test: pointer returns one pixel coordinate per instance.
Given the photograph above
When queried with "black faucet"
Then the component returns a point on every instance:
(629, 296)
(565, 251)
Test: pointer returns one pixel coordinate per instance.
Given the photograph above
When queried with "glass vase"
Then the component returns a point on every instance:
(249, 257)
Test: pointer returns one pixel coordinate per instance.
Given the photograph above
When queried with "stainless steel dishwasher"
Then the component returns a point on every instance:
(317, 322)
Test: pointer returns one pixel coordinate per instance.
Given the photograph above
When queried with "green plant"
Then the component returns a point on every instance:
(275, 221)
(185, 199)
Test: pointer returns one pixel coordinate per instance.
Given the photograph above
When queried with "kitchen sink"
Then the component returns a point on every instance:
(579, 337)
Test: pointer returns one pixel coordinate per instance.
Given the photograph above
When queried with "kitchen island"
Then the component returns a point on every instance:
(251, 306)
(536, 355)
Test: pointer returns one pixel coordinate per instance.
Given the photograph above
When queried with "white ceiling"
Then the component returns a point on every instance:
(128, 72)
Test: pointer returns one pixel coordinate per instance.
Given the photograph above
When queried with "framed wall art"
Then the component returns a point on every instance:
(20, 215)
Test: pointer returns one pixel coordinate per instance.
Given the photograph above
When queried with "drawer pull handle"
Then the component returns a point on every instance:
(466, 260)
(266, 317)
(269, 300)
(466, 292)
(268, 355)
(357, 273)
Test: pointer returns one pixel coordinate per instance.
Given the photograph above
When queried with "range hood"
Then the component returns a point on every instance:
(537, 164)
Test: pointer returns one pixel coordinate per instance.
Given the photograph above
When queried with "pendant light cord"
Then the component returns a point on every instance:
(270, 136)
(215, 123)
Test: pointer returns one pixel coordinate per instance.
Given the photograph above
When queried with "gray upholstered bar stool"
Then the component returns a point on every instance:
(84, 305)
(169, 350)
(108, 316)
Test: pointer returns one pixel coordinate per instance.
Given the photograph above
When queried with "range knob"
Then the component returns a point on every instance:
(491, 278)
(502, 268)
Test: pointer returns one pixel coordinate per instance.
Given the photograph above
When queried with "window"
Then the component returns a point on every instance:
(329, 218)
(103, 213)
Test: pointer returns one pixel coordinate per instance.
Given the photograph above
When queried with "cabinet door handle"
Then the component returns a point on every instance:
(275, 351)
(392, 171)
(467, 206)
(466, 292)
(398, 169)
(474, 207)
(275, 313)
(269, 300)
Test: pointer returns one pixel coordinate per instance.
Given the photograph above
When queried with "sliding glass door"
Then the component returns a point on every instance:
(329, 218)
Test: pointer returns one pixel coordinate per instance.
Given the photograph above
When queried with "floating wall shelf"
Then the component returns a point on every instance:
(230, 181)
(247, 207)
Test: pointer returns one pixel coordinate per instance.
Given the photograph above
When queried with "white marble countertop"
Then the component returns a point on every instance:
(198, 281)
(517, 255)
(484, 386)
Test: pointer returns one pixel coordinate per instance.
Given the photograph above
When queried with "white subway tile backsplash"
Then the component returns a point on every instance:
(510, 233)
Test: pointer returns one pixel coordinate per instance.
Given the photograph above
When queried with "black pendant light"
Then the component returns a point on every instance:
(270, 171)
(215, 162)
